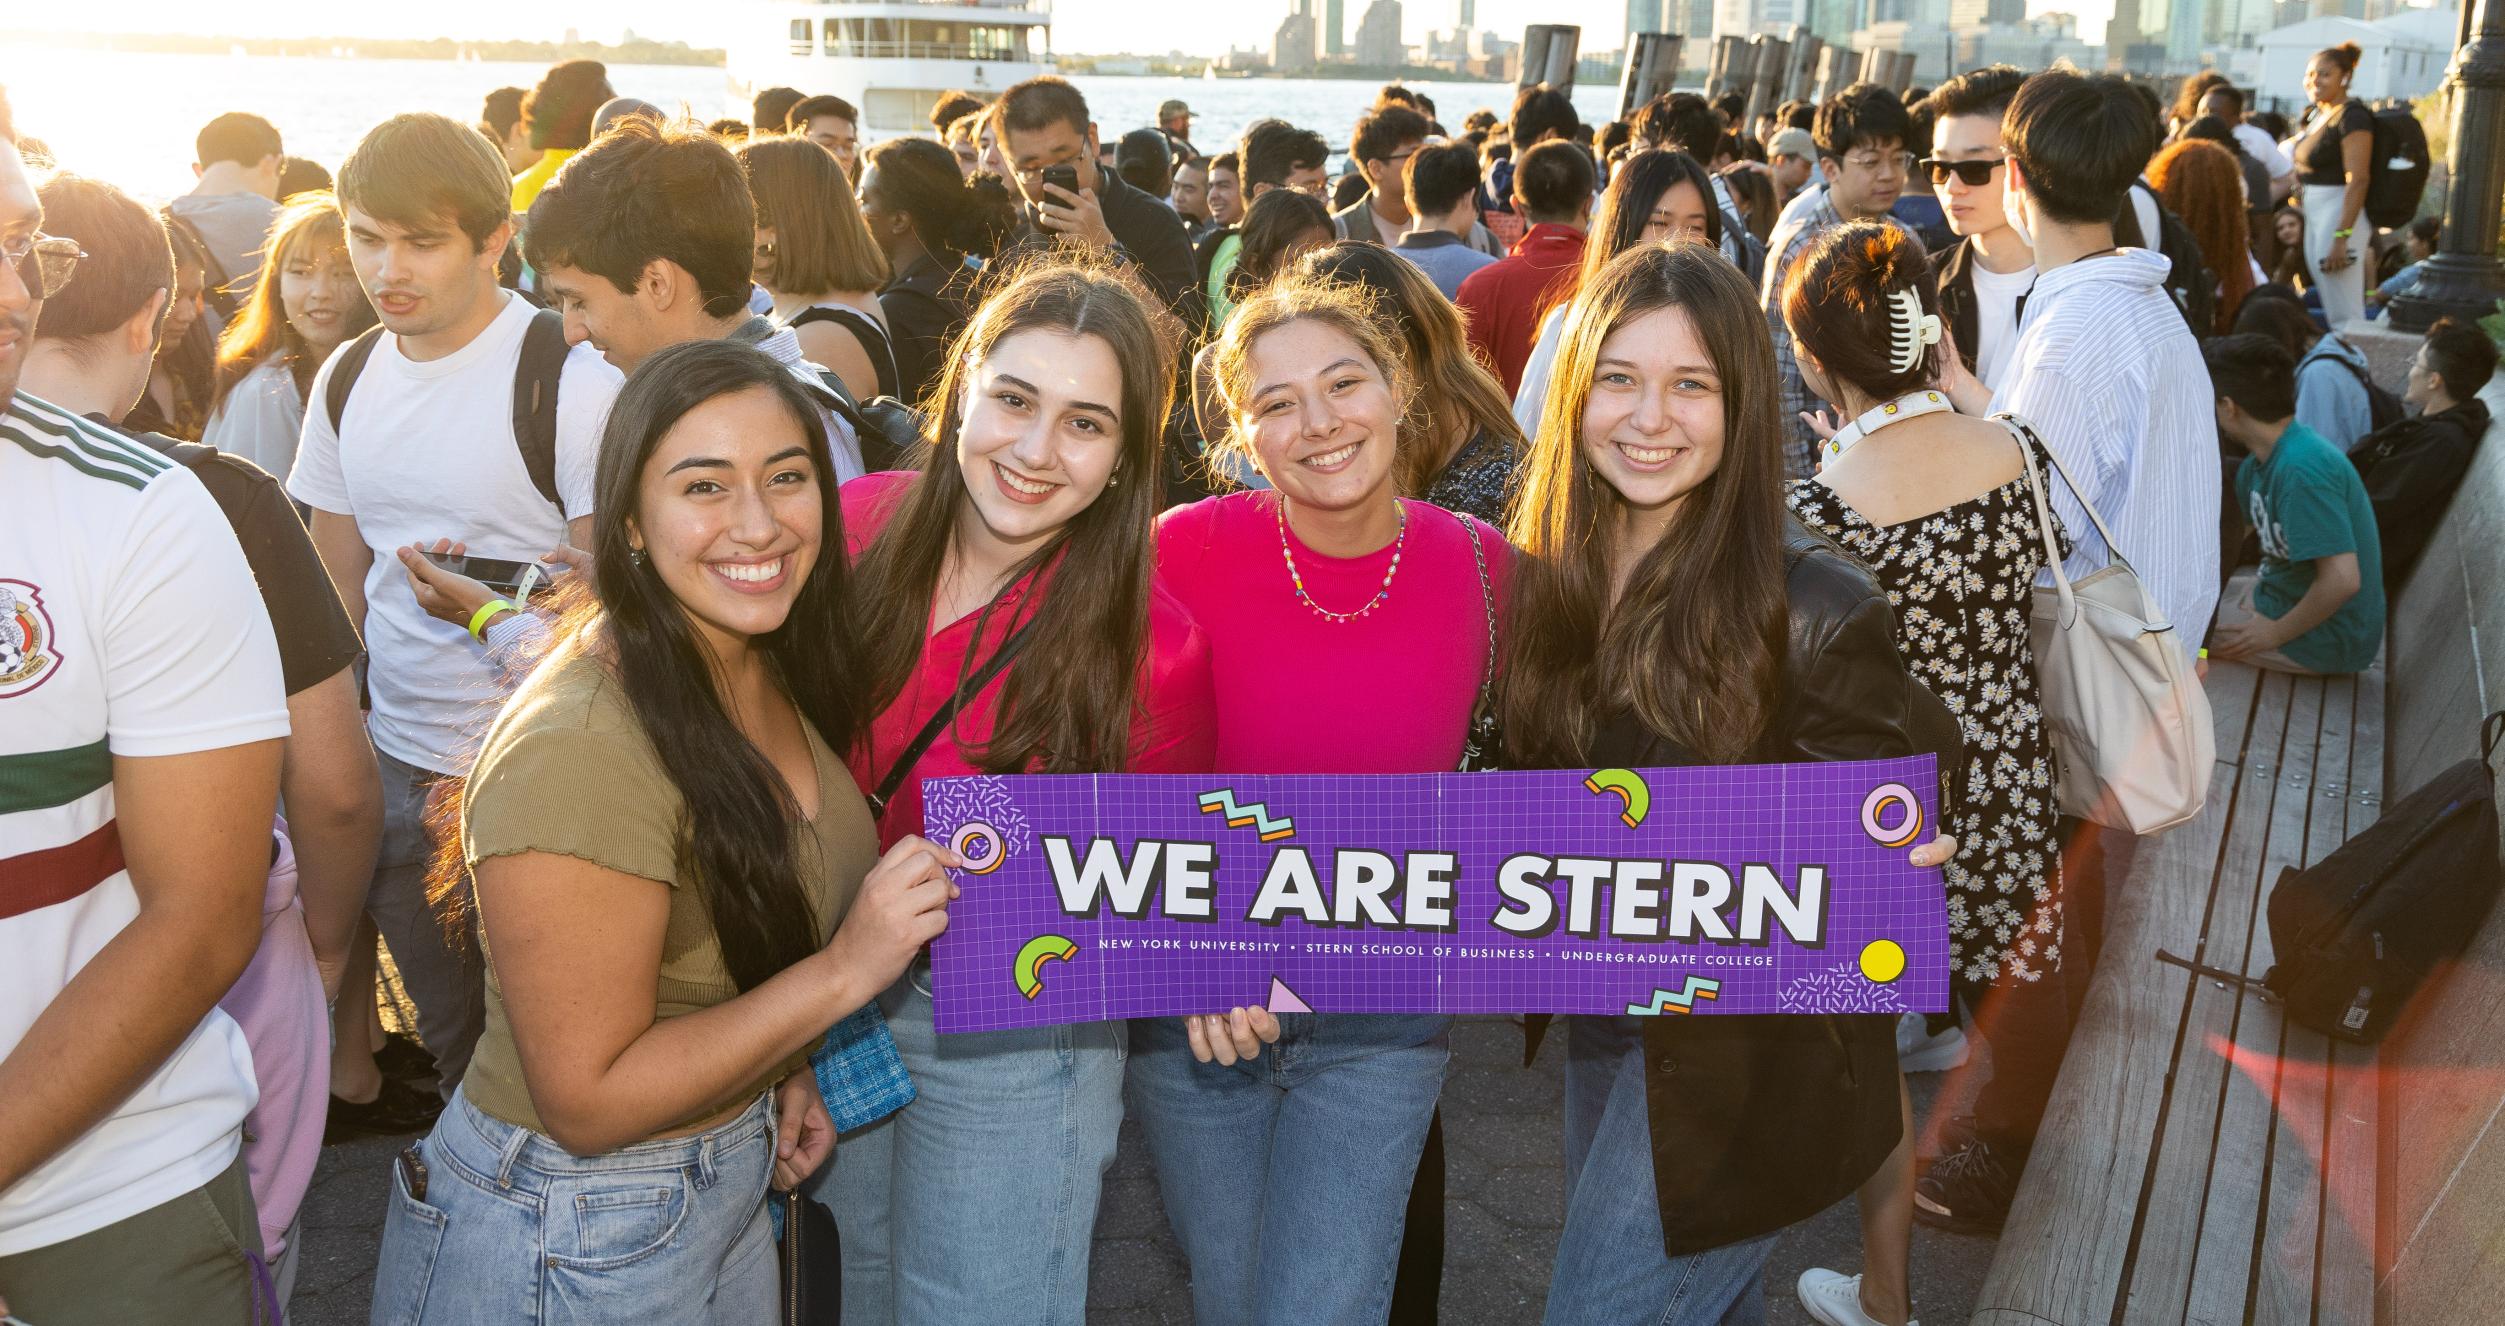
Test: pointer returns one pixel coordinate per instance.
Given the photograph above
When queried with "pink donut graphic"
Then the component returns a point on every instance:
(981, 846)
(1874, 809)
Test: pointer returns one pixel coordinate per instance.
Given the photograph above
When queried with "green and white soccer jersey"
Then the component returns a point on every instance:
(129, 626)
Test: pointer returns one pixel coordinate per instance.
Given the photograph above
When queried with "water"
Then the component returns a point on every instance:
(129, 117)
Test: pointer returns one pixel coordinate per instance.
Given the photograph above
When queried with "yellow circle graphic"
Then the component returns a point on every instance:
(1882, 960)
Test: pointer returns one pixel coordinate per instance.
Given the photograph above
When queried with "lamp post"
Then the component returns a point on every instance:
(2465, 278)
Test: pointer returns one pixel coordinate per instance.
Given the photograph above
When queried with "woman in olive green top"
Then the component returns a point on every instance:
(675, 884)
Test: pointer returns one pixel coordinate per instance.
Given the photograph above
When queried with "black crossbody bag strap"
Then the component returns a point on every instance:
(921, 743)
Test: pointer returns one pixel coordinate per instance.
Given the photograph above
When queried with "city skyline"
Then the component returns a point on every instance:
(1145, 27)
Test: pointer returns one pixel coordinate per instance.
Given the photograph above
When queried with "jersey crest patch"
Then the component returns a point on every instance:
(27, 656)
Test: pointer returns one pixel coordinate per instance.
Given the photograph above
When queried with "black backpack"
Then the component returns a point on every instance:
(889, 431)
(2399, 179)
(535, 378)
(2192, 286)
(2384, 408)
(2359, 931)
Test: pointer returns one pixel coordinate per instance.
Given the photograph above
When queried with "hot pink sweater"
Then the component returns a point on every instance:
(1389, 692)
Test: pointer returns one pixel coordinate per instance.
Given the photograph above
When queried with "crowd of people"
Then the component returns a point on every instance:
(559, 547)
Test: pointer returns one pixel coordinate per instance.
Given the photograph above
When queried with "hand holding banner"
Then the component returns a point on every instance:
(1714, 889)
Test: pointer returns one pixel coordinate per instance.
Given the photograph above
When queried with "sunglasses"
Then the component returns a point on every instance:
(44, 262)
(1975, 174)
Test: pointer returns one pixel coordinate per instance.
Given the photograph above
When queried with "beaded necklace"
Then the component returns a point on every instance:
(1297, 578)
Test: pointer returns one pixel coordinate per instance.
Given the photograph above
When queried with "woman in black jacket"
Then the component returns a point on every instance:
(1668, 612)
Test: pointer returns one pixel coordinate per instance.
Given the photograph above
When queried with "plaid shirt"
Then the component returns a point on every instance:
(1792, 238)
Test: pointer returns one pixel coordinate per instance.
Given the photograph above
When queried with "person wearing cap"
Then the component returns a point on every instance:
(1791, 159)
(1174, 120)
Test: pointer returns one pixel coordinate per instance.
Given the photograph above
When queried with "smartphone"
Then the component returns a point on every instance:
(489, 571)
(1063, 176)
(413, 1170)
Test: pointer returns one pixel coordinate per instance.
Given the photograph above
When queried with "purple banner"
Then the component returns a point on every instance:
(1779, 888)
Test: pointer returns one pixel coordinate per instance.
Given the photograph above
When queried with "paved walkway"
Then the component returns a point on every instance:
(1505, 1198)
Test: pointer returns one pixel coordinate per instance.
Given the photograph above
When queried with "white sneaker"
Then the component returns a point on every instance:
(1918, 1051)
(1835, 1299)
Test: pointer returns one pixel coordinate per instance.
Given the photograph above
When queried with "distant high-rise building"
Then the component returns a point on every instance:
(1291, 49)
(1642, 16)
(1969, 13)
(1334, 29)
(1378, 36)
(1469, 17)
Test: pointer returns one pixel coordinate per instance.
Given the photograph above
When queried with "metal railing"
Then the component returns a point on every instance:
(917, 50)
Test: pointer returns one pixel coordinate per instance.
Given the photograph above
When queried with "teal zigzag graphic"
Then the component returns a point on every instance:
(1255, 816)
(1697, 987)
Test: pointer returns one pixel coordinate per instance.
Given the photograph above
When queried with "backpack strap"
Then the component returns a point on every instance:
(535, 378)
(344, 371)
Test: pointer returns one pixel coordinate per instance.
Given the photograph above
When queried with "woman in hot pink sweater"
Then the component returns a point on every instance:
(1351, 631)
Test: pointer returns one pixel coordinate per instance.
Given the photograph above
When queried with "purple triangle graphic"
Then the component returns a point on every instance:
(1284, 1000)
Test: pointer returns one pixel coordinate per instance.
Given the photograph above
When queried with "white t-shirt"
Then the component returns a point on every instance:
(1996, 296)
(2257, 145)
(1530, 400)
(261, 419)
(430, 454)
(129, 625)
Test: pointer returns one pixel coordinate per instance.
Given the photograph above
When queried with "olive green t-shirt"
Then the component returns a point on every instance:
(567, 769)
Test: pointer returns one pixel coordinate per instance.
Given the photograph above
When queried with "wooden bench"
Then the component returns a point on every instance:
(2204, 1161)
(2180, 1174)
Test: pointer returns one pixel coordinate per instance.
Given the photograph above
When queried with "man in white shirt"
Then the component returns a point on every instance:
(141, 720)
(1983, 281)
(645, 240)
(2112, 380)
(425, 447)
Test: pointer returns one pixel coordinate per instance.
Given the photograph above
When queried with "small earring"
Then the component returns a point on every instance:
(636, 555)
(1115, 481)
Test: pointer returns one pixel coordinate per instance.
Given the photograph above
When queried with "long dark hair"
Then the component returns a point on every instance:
(1626, 207)
(308, 222)
(952, 216)
(1272, 225)
(1067, 703)
(735, 836)
(1694, 645)
(1458, 389)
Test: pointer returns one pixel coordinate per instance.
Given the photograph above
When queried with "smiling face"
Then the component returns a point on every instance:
(1679, 213)
(730, 517)
(1041, 432)
(1226, 197)
(318, 290)
(2290, 227)
(1322, 416)
(2325, 81)
(1653, 425)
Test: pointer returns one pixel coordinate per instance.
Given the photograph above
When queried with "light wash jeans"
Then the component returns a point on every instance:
(515, 1228)
(1611, 1269)
(977, 1201)
(1287, 1176)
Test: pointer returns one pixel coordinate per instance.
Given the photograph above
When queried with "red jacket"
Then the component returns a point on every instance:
(1503, 301)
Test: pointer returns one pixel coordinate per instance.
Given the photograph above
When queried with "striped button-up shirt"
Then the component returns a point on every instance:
(2114, 383)
(1792, 238)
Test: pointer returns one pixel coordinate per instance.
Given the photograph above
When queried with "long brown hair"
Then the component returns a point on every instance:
(1068, 701)
(821, 244)
(309, 221)
(2201, 181)
(1455, 388)
(1694, 645)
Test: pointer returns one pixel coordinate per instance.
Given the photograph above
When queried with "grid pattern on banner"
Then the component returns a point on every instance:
(1779, 816)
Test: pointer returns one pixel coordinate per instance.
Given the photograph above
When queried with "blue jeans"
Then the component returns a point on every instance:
(514, 1228)
(445, 978)
(1611, 1268)
(977, 1202)
(1287, 1176)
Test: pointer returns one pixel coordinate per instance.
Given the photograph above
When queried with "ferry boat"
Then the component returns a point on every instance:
(892, 58)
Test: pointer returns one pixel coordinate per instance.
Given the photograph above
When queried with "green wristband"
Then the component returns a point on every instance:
(478, 619)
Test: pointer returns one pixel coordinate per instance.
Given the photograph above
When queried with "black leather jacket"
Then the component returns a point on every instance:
(1759, 1122)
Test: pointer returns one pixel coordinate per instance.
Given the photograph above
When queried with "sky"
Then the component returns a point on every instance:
(1143, 26)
